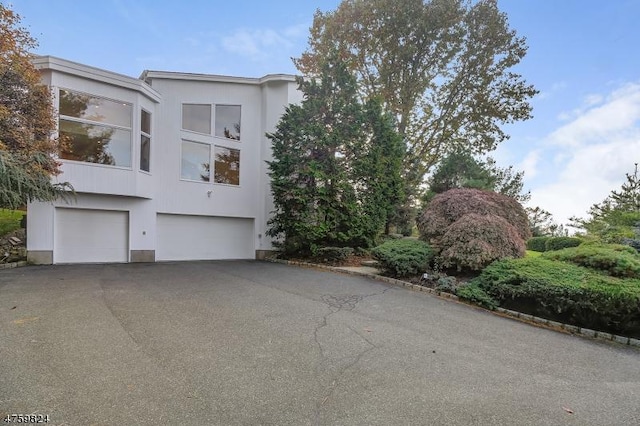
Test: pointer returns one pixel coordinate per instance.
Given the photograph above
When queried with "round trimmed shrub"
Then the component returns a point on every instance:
(474, 241)
(404, 257)
(559, 243)
(537, 243)
(470, 228)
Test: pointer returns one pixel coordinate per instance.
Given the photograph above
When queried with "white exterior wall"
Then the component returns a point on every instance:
(162, 191)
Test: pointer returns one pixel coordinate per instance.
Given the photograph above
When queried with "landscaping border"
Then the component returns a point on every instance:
(526, 318)
(13, 264)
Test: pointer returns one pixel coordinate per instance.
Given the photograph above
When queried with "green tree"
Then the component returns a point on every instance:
(335, 168)
(617, 218)
(26, 122)
(442, 68)
(460, 169)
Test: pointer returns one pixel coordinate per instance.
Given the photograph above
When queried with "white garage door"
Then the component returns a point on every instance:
(183, 237)
(91, 236)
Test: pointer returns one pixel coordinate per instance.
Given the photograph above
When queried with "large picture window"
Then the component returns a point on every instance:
(94, 129)
(196, 158)
(226, 166)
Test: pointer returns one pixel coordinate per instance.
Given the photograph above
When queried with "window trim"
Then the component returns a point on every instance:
(61, 116)
(183, 179)
(148, 135)
(215, 116)
(211, 122)
(214, 165)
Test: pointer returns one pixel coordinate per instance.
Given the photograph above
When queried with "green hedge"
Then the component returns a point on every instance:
(559, 243)
(537, 243)
(614, 260)
(404, 257)
(333, 254)
(564, 292)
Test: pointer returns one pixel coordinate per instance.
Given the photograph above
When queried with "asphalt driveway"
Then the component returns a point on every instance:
(207, 343)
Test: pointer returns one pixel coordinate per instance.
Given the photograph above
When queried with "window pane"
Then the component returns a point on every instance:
(227, 166)
(145, 152)
(145, 122)
(95, 144)
(196, 118)
(228, 121)
(79, 105)
(195, 161)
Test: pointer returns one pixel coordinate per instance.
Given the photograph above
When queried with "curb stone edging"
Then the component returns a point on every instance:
(538, 321)
(13, 264)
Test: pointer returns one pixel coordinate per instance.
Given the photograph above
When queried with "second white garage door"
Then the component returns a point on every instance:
(91, 236)
(182, 237)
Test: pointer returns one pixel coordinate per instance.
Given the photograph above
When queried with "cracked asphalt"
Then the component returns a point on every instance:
(248, 343)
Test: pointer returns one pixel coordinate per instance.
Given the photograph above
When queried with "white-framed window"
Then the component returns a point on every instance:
(227, 121)
(196, 161)
(226, 166)
(94, 129)
(197, 118)
(145, 140)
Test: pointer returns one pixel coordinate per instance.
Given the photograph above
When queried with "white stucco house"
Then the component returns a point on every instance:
(168, 166)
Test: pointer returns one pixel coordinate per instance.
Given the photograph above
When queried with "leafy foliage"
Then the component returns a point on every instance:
(462, 170)
(475, 294)
(604, 258)
(336, 167)
(26, 122)
(403, 257)
(470, 228)
(474, 241)
(537, 243)
(564, 292)
(559, 243)
(442, 67)
(333, 254)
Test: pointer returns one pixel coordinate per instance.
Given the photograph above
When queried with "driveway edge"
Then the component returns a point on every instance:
(526, 318)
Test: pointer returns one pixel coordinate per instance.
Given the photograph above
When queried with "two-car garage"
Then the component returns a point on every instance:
(103, 236)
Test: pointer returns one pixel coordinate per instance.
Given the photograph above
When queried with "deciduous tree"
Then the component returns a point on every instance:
(27, 122)
(442, 67)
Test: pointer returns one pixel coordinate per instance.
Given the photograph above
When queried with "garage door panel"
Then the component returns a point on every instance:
(91, 236)
(182, 237)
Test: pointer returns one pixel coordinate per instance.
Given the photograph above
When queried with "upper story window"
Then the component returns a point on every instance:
(95, 129)
(228, 121)
(145, 140)
(197, 118)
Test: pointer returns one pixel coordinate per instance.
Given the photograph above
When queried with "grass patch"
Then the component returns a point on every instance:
(10, 220)
(531, 253)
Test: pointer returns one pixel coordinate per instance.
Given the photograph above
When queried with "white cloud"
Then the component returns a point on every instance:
(530, 164)
(598, 115)
(589, 156)
(258, 44)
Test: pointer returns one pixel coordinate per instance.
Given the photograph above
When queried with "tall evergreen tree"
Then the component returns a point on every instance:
(336, 166)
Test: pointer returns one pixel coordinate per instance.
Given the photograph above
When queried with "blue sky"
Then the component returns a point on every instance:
(585, 134)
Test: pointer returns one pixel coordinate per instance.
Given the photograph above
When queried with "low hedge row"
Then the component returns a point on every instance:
(404, 257)
(563, 292)
(619, 261)
(552, 243)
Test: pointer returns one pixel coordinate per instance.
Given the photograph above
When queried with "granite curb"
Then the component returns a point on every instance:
(530, 319)
(12, 265)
